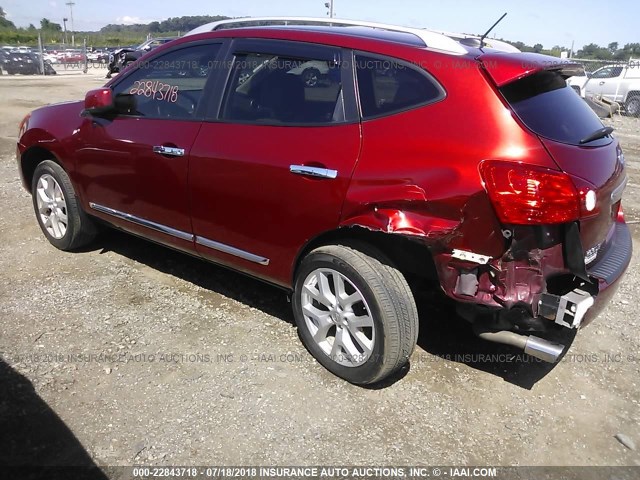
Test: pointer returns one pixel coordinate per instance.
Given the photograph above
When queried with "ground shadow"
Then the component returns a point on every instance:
(34, 442)
(447, 335)
(442, 331)
(262, 296)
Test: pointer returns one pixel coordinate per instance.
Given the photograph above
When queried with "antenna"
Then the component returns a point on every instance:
(489, 31)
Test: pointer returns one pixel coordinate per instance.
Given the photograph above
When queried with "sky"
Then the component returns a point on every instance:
(549, 22)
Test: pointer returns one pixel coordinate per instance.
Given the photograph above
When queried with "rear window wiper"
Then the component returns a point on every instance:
(601, 132)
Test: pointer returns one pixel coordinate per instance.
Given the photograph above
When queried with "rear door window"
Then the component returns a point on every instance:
(550, 108)
(270, 88)
(389, 86)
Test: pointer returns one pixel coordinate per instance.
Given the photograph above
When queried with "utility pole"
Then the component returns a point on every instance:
(329, 6)
(73, 37)
(64, 22)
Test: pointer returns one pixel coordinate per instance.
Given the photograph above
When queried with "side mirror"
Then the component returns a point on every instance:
(98, 102)
(101, 102)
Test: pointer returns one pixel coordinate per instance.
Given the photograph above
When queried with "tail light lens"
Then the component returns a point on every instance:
(527, 194)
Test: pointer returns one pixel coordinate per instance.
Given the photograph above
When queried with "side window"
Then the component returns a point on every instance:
(171, 85)
(608, 72)
(268, 88)
(386, 86)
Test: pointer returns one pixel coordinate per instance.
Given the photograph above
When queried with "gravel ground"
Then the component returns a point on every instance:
(147, 356)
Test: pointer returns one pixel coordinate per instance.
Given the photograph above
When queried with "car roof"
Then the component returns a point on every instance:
(375, 31)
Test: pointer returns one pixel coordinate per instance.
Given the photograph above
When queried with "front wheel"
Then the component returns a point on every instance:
(355, 312)
(57, 209)
(633, 105)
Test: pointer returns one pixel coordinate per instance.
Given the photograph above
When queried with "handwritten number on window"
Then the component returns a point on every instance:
(155, 90)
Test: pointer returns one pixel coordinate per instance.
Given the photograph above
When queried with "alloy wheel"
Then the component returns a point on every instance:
(52, 206)
(338, 317)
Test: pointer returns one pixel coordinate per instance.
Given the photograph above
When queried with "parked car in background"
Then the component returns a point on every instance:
(27, 64)
(4, 58)
(51, 57)
(122, 57)
(98, 56)
(615, 83)
(386, 175)
(22, 49)
(71, 55)
(312, 73)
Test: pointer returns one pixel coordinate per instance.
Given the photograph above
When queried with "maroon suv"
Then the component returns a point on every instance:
(410, 155)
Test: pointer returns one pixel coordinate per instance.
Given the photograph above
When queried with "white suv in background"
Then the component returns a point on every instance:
(617, 83)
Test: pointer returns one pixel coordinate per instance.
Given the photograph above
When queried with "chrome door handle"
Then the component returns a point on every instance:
(313, 171)
(171, 151)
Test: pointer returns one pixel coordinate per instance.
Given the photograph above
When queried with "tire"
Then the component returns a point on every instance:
(311, 77)
(632, 106)
(368, 335)
(54, 203)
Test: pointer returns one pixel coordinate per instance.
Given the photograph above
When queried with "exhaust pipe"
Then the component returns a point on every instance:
(534, 346)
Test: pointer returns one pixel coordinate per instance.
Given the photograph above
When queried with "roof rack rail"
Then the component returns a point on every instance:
(433, 40)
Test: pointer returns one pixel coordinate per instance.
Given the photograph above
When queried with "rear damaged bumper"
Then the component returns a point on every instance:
(515, 295)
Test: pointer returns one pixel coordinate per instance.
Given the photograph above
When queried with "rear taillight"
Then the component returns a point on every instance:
(526, 194)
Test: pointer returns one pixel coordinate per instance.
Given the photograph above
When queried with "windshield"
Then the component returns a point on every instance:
(550, 108)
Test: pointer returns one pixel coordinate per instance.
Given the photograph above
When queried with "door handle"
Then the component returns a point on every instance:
(601, 83)
(170, 151)
(313, 171)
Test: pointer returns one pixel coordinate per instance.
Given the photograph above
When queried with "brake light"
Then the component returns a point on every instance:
(526, 194)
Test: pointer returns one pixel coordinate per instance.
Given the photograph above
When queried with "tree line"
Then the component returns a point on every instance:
(118, 35)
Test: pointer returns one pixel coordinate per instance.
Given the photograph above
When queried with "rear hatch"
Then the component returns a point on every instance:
(534, 86)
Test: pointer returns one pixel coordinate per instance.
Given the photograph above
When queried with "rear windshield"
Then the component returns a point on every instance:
(550, 108)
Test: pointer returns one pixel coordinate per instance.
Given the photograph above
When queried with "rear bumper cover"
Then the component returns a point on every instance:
(610, 268)
(615, 260)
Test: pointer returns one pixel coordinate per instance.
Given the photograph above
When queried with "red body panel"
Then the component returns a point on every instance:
(244, 195)
(603, 173)
(117, 168)
(435, 152)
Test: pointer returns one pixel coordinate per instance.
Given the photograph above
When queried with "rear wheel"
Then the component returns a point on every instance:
(632, 106)
(57, 209)
(355, 312)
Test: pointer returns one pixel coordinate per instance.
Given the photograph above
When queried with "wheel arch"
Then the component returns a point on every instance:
(31, 158)
(633, 92)
(409, 254)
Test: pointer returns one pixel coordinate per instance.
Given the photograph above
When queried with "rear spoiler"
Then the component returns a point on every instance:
(504, 68)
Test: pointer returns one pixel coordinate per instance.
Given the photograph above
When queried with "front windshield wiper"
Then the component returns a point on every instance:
(601, 132)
